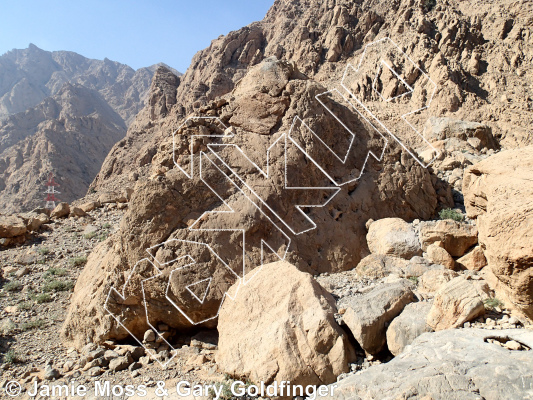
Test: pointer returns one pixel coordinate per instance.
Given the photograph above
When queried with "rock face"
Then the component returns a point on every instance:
(281, 327)
(407, 326)
(393, 236)
(366, 316)
(451, 365)
(456, 302)
(498, 193)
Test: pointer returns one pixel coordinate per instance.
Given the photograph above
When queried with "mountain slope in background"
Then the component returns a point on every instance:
(61, 112)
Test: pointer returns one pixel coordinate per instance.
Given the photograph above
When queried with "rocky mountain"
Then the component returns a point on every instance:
(30, 75)
(61, 112)
(68, 133)
(338, 193)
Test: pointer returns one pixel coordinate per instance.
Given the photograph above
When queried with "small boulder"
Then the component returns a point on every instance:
(431, 281)
(456, 302)
(149, 336)
(474, 260)
(77, 212)
(377, 266)
(456, 237)
(393, 236)
(61, 210)
(438, 255)
(367, 315)
(89, 206)
(120, 363)
(407, 326)
(11, 226)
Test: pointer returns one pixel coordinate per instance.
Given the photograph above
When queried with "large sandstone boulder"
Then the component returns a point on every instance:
(474, 260)
(367, 315)
(455, 364)
(407, 326)
(61, 210)
(431, 281)
(456, 237)
(11, 226)
(281, 327)
(393, 236)
(440, 256)
(171, 210)
(499, 194)
(456, 302)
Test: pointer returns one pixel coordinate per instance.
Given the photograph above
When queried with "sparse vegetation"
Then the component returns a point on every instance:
(11, 357)
(44, 251)
(28, 325)
(428, 5)
(55, 272)
(90, 235)
(107, 225)
(41, 298)
(57, 286)
(414, 279)
(226, 388)
(6, 326)
(449, 213)
(102, 236)
(78, 261)
(492, 303)
(13, 286)
(26, 305)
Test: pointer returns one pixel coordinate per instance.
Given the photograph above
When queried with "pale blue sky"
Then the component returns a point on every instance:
(134, 32)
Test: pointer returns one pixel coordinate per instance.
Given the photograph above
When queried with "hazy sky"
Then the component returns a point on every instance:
(137, 33)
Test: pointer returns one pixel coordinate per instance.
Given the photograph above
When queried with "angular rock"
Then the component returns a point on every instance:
(77, 212)
(367, 315)
(456, 302)
(456, 237)
(474, 260)
(120, 363)
(89, 206)
(438, 255)
(449, 365)
(378, 266)
(498, 193)
(11, 226)
(287, 330)
(61, 210)
(407, 326)
(431, 281)
(393, 236)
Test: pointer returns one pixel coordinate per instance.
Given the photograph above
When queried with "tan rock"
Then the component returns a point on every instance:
(378, 266)
(11, 226)
(431, 281)
(89, 206)
(61, 210)
(474, 260)
(282, 327)
(407, 326)
(456, 302)
(457, 237)
(438, 255)
(498, 192)
(367, 315)
(393, 236)
(77, 212)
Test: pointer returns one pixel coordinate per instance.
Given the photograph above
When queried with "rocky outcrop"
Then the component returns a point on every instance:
(451, 364)
(498, 193)
(281, 327)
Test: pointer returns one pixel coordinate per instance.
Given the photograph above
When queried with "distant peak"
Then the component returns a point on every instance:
(31, 46)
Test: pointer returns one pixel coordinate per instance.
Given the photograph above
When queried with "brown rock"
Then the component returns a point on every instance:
(407, 326)
(457, 237)
(393, 236)
(11, 226)
(77, 212)
(61, 210)
(367, 316)
(286, 330)
(456, 302)
(498, 192)
(440, 256)
(89, 206)
(474, 260)
(431, 281)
